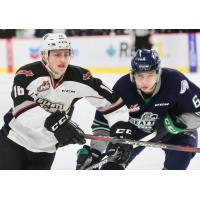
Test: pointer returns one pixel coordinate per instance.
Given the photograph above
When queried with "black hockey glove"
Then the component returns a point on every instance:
(121, 130)
(87, 157)
(65, 131)
(121, 151)
(171, 124)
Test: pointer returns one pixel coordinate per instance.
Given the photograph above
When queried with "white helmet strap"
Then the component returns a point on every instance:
(54, 75)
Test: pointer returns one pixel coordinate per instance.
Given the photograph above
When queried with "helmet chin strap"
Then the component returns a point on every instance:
(54, 75)
(46, 63)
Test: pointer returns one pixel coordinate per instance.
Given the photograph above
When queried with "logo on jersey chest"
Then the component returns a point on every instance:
(134, 108)
(50, 106)
(45, 86)
(146, 122)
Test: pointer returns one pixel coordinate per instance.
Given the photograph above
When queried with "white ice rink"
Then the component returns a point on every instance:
(149, 159)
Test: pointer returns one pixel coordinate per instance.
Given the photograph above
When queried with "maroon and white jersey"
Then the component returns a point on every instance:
(36, 95)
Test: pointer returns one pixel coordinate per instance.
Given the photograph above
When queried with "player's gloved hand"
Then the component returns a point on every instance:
(65, 131)
(173, 124)
(121, 130)
(122, 152)
(86, 157)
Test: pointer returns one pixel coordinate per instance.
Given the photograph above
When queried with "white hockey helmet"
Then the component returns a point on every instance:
(54, 41)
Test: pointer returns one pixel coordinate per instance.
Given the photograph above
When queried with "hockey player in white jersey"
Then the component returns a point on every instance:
(44, 94)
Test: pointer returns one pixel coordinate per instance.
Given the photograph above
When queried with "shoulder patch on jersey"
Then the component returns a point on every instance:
(184, 86)
(25, 72)
(45, 86)
(87, 76)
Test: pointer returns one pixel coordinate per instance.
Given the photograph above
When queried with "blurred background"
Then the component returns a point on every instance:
(104, 50)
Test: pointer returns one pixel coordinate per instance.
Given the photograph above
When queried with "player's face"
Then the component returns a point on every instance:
(146, 81)
(58, 61)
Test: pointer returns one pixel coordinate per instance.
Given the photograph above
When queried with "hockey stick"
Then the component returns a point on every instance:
(144, 143)
(112, 157)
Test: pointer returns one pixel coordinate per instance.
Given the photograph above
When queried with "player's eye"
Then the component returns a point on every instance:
(57, 54)
(66, 54)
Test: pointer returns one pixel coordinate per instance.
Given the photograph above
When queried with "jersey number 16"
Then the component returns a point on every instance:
(18, 91)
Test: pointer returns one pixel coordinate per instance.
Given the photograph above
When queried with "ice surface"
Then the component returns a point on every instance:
(149, 159)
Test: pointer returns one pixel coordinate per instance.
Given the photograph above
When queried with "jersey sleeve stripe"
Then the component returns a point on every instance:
(95, 97)
(112, 107)
(24, 109)
(21, 106)
(97, 122)
(101, 129)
